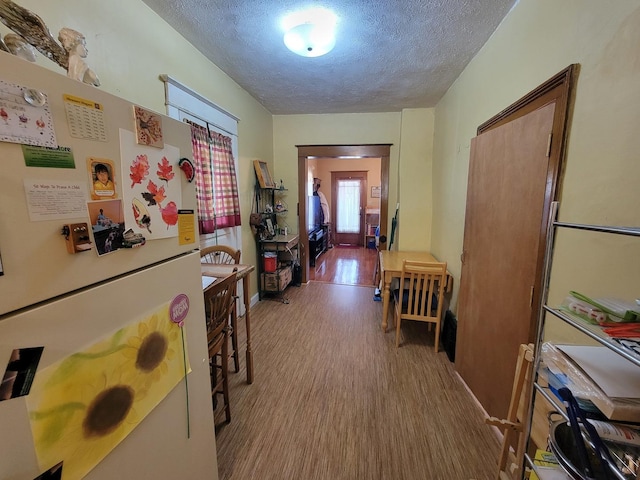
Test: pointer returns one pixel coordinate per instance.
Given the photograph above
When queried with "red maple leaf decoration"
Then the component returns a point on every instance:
(165, 170)
(156, 195)
(169, 214)
(139, 169)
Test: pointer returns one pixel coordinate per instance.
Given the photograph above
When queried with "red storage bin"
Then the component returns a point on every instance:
(270, 262)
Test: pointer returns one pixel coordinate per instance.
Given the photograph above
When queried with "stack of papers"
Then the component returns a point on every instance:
(616, 378)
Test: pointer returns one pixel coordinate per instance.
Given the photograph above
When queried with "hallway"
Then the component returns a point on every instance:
(345, 265)
(334, 400)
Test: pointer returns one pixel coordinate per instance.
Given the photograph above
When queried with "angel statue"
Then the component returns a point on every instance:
(75, 45)
(20, 47)
(33, 30)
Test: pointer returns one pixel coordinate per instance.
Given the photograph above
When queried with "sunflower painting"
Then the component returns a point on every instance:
(81, 407)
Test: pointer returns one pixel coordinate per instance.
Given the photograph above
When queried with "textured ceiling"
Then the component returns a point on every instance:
(389, 54)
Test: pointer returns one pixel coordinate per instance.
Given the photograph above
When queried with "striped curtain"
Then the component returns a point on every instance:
(225, 184)
(216, 182)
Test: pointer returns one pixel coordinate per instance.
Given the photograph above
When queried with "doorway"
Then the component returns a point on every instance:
(307, 152)
(348, 206)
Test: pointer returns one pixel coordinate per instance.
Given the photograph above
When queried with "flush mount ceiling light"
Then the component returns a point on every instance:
(310, 33)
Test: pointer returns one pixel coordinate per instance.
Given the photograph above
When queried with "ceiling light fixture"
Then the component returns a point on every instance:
(310, 33)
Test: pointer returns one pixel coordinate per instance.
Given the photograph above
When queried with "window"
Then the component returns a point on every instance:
(348, 206)
(215, 140)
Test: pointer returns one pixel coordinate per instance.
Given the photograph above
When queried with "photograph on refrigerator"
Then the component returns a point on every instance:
(20, 372)
(54, 473)
(107, 225)
(102, 176)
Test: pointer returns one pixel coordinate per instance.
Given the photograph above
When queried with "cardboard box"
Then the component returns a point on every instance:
(287, 256)
(277, 281)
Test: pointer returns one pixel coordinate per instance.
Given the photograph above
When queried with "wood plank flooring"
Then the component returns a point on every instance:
(345, 265)
(333, 399)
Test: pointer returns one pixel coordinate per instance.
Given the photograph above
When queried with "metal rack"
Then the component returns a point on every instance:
(273, 237)
(592, 331)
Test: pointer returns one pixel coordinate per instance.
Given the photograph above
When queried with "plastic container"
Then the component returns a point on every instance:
(584, 310)
(270, 262)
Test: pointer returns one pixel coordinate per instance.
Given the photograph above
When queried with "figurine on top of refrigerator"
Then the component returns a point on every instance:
(20, 47)
(75, 44)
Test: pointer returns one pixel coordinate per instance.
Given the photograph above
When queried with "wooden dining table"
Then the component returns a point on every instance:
(220, 271)
(391, 267)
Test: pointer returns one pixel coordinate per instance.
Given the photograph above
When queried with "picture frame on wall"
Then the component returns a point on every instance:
(148, 127)
(375, 192)
(262, 173)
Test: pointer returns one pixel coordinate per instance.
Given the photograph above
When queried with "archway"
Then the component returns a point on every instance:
(381, 151)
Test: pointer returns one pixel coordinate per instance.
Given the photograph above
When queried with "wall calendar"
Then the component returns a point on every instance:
(85, 118)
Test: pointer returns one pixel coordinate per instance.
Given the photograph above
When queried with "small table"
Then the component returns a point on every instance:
(391, 267)
(223, 270)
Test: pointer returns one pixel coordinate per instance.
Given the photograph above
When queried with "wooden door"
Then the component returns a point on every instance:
(508, 173)
(348, 209)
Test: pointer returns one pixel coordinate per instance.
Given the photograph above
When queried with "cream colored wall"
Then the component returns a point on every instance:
(536, 40)
(415, 177)
(129, 46)
(337, 129)
(409, 132)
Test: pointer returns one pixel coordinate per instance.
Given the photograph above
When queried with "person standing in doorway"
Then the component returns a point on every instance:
(323, 200)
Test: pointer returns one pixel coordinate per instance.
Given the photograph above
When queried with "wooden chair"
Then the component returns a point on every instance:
(510, 462)
(220, 304)
(421, 295)
(222, 254)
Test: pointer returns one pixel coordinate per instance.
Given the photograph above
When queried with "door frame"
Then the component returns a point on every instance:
(363, 177)
(382, 151)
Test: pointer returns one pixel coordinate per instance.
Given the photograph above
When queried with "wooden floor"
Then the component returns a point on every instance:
(333, 399)
(345, 265)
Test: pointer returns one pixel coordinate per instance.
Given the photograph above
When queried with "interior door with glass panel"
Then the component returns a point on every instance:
(349, 191)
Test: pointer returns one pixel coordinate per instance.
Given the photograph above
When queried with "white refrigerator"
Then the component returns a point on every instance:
(113, 326)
